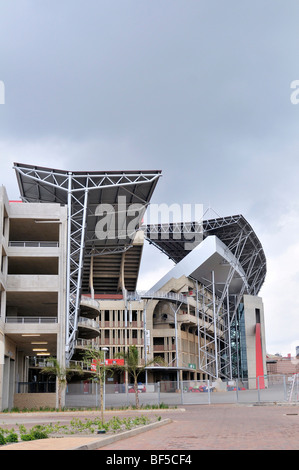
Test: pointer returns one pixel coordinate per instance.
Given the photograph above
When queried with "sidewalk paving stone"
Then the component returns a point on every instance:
(197, 427)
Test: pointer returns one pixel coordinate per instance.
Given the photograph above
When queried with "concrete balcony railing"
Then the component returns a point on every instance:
(89, 302)
(88, 323)
(162, 348)
(187, 318)
(33, 282)
(83, 343)
(79, 364)
(33, 244)
(31, 320)
(159, 295)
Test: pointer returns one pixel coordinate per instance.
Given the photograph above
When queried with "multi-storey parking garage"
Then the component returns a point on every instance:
(71, 253)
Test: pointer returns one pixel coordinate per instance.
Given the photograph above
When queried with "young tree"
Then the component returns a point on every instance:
(134, 369)
(62, 375)
(95, 359)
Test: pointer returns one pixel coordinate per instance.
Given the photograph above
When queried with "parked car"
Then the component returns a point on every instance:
(141, 388)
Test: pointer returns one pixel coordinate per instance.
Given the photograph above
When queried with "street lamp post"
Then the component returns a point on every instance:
(104, 390)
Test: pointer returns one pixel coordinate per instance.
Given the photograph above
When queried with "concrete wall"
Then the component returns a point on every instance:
(251, 303)
(40, 288)
(34, 400)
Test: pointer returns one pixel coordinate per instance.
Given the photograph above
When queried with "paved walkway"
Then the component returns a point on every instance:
(63, 443)
(199, 427)
(223, 427)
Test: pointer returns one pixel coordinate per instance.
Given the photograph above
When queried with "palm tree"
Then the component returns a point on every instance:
(62, 375)
(94, 358)
(134, 369)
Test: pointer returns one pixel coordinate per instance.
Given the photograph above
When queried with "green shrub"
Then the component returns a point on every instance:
(7, 435)
(12, 437)
(26, 437)
(37, 432)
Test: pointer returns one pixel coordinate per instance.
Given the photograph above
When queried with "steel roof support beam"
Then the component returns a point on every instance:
(74, 189)
(76, 239)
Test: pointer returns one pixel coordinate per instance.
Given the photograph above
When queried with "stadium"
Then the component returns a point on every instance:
(71, 254)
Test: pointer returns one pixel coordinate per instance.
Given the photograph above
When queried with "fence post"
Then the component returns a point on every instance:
(182, 398)
(209, 392)
(284, 388)
(237, 390)
(258, 389)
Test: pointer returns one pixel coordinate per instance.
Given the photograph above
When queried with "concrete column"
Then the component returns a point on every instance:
(5, 382)
(3, 306)
(251, 304)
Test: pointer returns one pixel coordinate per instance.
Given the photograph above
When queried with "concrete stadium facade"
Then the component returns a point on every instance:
(69, 271)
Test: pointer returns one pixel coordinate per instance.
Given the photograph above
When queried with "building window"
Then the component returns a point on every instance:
(134, 315)
(257, 315)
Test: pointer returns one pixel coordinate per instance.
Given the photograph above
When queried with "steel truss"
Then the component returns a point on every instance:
(214, 329)
(217, 304)
(75, 189)
(242, 241)
(217, 312)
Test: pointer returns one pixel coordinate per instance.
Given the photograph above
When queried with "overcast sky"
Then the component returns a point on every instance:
(199, 89)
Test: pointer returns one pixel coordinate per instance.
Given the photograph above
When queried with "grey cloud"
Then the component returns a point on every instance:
(198, 89)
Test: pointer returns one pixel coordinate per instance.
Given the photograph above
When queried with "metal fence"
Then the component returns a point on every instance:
(278, 388)
(35, 387)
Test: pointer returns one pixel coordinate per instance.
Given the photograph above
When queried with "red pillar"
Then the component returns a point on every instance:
(259, 357)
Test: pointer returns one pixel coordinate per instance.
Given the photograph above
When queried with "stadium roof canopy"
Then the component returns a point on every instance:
(234, 231)
(105, 210)
(121, 190)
